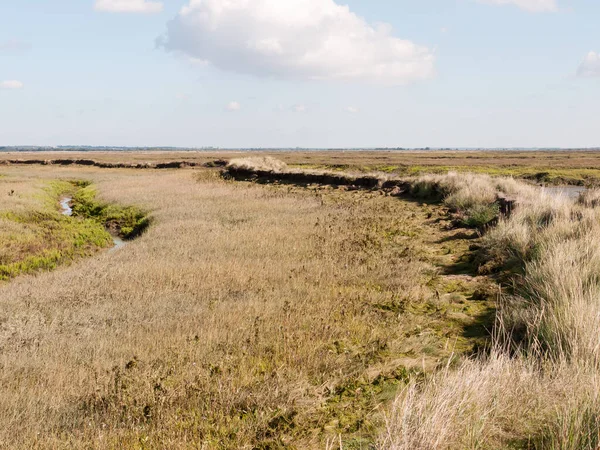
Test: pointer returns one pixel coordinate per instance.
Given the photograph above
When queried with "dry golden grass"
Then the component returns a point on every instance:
(500, 402)
(275, 316)
(258, 163)
(246, 316)
(539, 387)
(348, 159)
(555, 167)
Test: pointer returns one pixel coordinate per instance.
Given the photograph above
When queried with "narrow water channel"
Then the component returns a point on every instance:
(66, 210)
(565, 191)
(65, 206)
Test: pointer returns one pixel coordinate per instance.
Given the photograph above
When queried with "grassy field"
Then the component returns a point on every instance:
(552, 167)
(246, 316)
(270, 316)
(536, 385)
(35, 234)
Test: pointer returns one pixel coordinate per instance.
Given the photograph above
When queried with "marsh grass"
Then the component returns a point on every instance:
(35, 236)
(126, 221)
(553, 167)
(538, 389)
(274, 316)
(549, 250)
(258, 163)
(246, 316)
(472, 198)
(498, 402)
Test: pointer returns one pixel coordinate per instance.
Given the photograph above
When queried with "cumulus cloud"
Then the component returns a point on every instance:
(305, 39)
(527, 5)
(590, 67)
(128, 6)
(352, 110)
(11, 84)
(233, 106)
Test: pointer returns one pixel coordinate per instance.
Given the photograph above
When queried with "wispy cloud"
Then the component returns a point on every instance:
(14, 45)
(527, 5)
(233, 106)
(11, 84)
(128, 6)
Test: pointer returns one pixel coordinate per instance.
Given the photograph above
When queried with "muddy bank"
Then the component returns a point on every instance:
(304, 178)
(107, 165)
(503, 206)
(397, 186)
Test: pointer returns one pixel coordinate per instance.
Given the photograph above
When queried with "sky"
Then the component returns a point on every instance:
(300, 73)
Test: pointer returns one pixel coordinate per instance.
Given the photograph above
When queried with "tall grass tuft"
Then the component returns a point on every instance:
(472, 197)
(258, 164)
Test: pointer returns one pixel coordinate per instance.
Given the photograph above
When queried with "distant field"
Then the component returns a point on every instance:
(554, 167)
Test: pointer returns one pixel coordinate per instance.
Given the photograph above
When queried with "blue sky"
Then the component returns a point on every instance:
(307, 73)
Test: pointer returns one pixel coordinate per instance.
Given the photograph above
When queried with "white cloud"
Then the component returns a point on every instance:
(590, 66)
(527, 5)
(12, 45)
(305, 39)
(299, 108)
(128, 6)
(11, 84)
(352, 110)
(233, 106)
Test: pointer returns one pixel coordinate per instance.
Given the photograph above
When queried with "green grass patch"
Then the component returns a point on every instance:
(126, 221)
(42, 238)
(551, 176)
(559, 176)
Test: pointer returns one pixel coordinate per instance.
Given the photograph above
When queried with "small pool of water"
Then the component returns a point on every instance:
(566, 191)
(65, 206)
(118, 243)
(66, 210)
